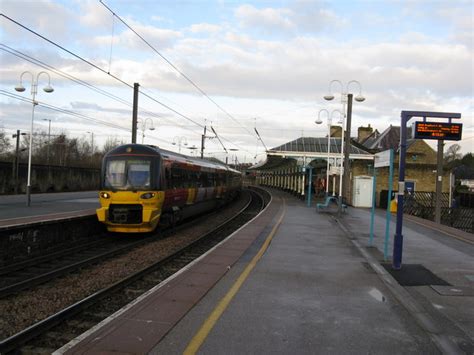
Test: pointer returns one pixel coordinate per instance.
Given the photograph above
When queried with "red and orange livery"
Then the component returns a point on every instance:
(143, 186)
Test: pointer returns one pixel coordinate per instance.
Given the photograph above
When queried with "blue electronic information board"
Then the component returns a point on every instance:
(438, 130)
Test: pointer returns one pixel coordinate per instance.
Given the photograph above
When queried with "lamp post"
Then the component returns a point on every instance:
(192, 149)
(234, 160)
(144, 122)
(92, 142)
(49, 143)
(346, 98)
(179, 141)
(34, 91)
(49, 138)
(16, 161)
(319, 121)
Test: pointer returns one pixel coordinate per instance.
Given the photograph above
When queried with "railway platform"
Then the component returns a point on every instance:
(294, 281)
(46, 207)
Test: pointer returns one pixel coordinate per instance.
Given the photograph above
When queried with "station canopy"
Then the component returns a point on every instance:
(304, 150)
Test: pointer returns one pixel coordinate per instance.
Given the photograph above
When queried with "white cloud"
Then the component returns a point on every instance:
(95, 15)
(314, 16)
(253, 76)
(267, 19)
(462, 22)
(157, 37)
(38, 16)
(205, 28)
(301, 16)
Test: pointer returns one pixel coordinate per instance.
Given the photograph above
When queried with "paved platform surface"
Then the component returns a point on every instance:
(316, 289)
(45, 207)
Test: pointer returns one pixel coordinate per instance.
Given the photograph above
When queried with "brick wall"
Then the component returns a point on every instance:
(420, 167)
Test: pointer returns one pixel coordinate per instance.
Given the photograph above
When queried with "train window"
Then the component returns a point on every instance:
(203, 179)
(167, 178)
(115, 174)
(127, 174)
(180, 178)
(139, 173)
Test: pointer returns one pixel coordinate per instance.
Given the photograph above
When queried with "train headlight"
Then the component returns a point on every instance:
(104, 195)
(147, 195)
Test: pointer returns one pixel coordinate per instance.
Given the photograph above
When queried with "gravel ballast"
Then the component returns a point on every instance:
(22, 310)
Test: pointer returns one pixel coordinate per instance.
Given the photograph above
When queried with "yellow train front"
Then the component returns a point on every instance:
(142, 186)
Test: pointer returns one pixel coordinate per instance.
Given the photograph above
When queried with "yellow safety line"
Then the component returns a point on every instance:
(209, 323)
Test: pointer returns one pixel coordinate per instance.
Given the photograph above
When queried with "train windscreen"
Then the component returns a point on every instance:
(128, 174)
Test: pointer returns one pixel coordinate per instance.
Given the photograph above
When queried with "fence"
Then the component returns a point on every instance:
(422, 204)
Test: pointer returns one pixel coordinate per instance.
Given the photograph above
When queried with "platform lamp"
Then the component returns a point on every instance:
(144, 122)
(92, 141)
(193, 149)
(235, 157)
(319, 121)
(34, 91)
(346, 98)
(180, 141)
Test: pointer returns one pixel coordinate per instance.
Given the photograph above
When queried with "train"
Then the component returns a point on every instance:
(143, 186)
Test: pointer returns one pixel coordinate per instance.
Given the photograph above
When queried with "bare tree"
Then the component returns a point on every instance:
(62, 150)
(452, 153)
(5, 144)
(111, 143)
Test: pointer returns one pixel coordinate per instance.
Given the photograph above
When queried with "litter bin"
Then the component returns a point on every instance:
(393, 206)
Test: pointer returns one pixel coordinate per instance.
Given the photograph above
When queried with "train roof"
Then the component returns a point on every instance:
(142, 149)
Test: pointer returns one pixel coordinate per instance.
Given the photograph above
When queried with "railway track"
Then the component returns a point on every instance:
(30, 273)
(58, 329)
(27, 274)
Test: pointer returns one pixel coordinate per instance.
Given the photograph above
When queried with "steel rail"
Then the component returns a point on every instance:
(20, 338)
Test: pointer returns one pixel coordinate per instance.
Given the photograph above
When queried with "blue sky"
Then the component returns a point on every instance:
(261, 62)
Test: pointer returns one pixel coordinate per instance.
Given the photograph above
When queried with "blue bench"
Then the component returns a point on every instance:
(329, 199)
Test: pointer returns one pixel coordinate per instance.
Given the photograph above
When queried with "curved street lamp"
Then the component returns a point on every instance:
(234, 160)
(143, 128)
(34, 90)
(358, 98)
(92, 142)
(346, 98)
(319, 121)
(192, 149)
(180, 141)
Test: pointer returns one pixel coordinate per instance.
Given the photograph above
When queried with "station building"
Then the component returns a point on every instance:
(291, 166)
(420, 163)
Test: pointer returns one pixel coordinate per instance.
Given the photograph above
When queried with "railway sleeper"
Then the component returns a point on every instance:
(153, 279)
(82, 324)
(60, 336)
(35, 350)
(96, 315)
(134, 292)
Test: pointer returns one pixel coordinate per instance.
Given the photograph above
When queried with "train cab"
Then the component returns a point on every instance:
(143, 185)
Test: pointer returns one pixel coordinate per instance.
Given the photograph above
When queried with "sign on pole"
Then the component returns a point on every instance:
(405, 117)
(438, 130)
(382, 159)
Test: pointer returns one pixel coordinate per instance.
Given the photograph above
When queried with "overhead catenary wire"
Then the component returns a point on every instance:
(111, 75)
(175, 67)
(62, 110)
(66, 50)
(98, 68)
(260, 138)
(59, 72)
(217, 136)
(72, 113)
